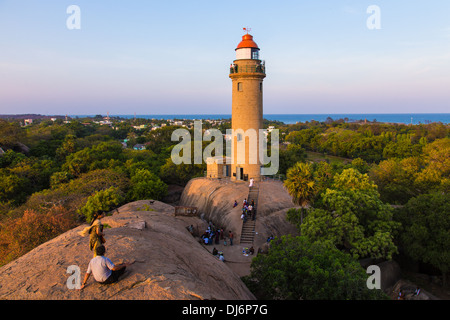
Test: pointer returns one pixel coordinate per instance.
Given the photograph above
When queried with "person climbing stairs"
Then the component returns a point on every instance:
(248, 227)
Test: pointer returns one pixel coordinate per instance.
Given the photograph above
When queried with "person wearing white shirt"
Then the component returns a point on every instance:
(102, 268)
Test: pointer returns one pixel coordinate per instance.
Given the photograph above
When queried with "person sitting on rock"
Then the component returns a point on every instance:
(104, 271)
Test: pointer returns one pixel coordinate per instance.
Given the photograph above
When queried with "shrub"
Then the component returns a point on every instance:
(104, 200)
(20, 235)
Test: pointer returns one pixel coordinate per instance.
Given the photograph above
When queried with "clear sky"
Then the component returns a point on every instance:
(173, 57)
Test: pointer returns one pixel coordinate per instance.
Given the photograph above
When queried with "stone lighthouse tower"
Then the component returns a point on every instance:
(247, 73)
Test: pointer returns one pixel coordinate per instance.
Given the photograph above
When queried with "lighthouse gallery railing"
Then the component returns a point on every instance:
(259, 68)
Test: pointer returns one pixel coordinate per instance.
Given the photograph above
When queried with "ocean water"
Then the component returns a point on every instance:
(406, 118)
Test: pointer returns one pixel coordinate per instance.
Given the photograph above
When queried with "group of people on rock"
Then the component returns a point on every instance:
(248, 210)
(216, 236)
(101, 267)
(248, 251)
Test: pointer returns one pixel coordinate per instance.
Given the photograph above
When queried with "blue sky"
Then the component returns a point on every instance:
(169, 57)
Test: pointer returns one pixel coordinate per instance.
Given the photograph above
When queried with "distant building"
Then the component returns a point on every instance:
(27, 121)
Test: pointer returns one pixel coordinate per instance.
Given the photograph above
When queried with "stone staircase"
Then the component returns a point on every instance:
(248, 228)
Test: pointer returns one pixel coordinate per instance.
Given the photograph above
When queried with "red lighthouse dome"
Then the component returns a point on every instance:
(247, 42)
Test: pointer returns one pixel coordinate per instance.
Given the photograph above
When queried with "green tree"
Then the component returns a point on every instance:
(402, 148)
(10, 134)
(146, 185)
(301, 185)
(425, 236)
(11, 158)
(353, 217)
(104, 200)
(74, 194)
(290, 156)
(395, 179)
(96, 157)
(295, 268)
(302, 137)
(360, 165)
(435, 175)
(67, 147)
(13, 189)
(180, 174)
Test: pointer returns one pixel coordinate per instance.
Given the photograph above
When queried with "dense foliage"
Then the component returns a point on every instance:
(353, 217)
(347, 202)
(296, 268)
(426, 230)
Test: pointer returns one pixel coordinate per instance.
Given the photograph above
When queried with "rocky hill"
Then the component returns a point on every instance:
(169, 263)
(215, 200)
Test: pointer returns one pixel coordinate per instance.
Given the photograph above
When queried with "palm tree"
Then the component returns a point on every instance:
(301, 185)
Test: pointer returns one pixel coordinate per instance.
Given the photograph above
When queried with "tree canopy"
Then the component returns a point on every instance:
(425, 232)
(353, 217)
(296, 268)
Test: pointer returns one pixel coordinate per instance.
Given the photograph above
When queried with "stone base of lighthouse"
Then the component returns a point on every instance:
(246, 172)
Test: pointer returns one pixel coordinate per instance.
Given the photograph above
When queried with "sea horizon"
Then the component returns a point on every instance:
(288, 118)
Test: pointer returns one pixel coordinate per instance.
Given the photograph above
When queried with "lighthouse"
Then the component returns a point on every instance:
(247, 73)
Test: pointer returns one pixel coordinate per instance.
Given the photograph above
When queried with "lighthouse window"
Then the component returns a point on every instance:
(239, 86)
(255, 54)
